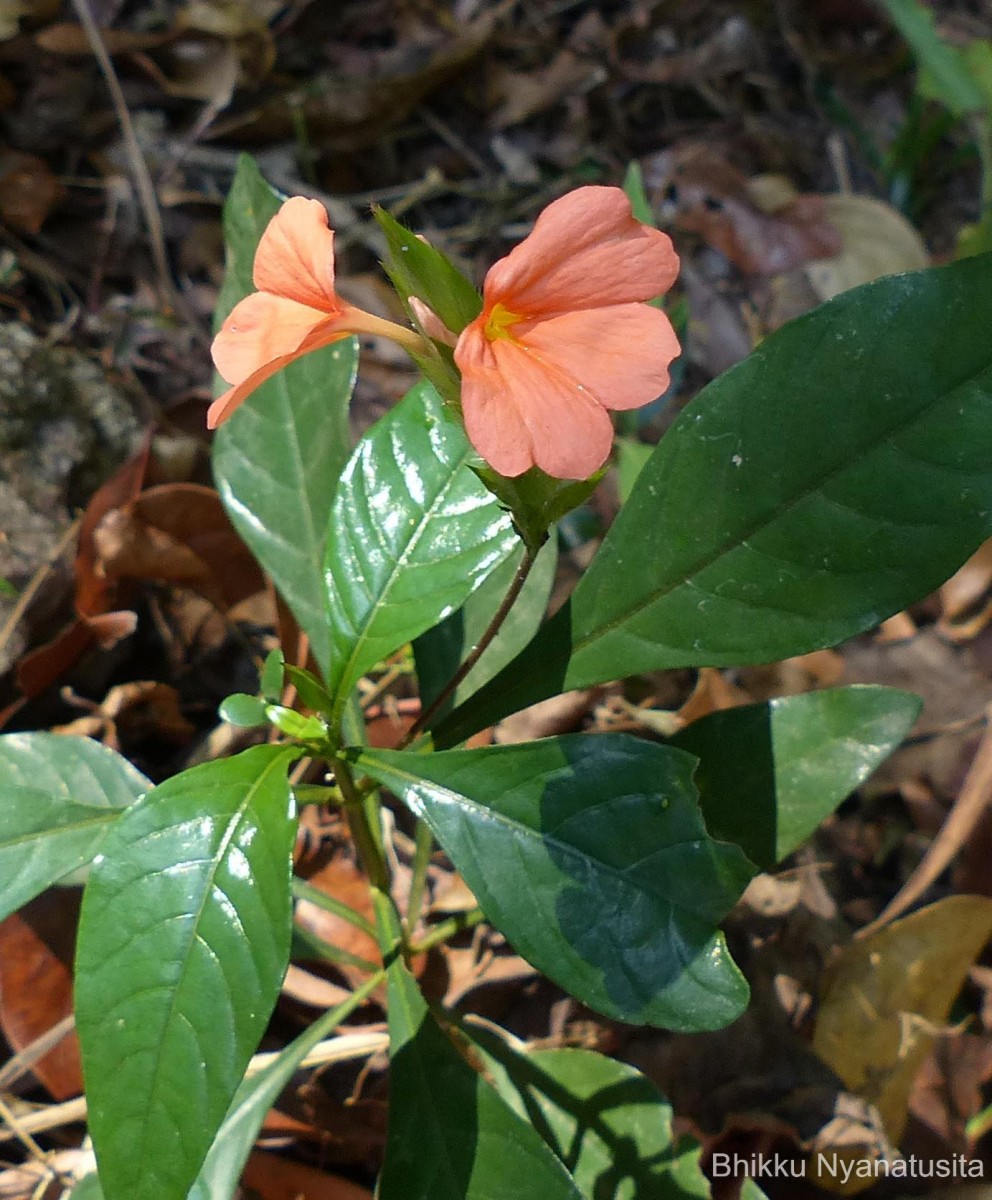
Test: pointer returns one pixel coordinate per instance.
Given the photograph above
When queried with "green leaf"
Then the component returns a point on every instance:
(769, 773)
(591, 856)
(277, 459)
(631, 456)
(58, 798)
(270, 683)
(633, 185)
(450, 1135)
(945, 73)
(243, 710)
(439, 652)
(221, 1172)
(75, 769)
(183, 942)
(418, 269)
(834, 477)
(609, 1125)
(42, 839)
(412, 534)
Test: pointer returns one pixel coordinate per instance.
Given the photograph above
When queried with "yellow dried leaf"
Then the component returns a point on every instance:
(876, 240)
(889, 995)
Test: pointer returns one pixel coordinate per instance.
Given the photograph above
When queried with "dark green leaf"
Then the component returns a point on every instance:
(631, 456)
(412, 534)
(450, 1135)
(838, 474)
(243, 710)
(418, 269)
(440, 651)
(183, 942)
(278, 458)
(590, 854)
(769, 773)
(609, 1125)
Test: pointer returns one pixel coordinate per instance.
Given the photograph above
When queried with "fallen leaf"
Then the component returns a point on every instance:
(888, 996)
(876, 240)
(703, 193)
(36, 949)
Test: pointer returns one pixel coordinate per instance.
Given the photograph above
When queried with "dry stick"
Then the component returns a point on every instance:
(142, 179)
(974, 797)
(439, 701)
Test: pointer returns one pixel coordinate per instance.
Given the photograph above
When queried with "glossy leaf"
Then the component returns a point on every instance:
(769, 773)
(72, 769)
(278, 458)
(607, 1122)
(43, 839)
(58, 798)
(183, 942)
(835, 476)
(450, 1135)
(412, 534)
(440, 651)
(243, 710)
(590, 854)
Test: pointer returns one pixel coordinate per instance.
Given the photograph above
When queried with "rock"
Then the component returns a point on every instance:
(63, 430)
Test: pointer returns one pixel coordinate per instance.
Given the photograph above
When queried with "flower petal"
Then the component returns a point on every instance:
(224, 405)
(619, 354)
(295, 256)
(262, 328)
(585, 251)
(519, 413)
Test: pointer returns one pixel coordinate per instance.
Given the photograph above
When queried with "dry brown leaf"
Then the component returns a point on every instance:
(703, 193)
(272, 1177)
(36, 948)
(888, 996)
(28, 190)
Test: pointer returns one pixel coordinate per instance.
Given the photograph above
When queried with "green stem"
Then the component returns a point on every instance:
(481, 646)
(332, 953)
(306, 891)
(447, 930)
(424, 847)
(361, 813)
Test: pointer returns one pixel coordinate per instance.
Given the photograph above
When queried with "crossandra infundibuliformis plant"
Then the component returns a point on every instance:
(838, 474)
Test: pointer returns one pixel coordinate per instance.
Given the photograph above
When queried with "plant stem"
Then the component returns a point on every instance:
(361, 813)
(424, 846)
(335, 954)
(306, 891)
(447, 930)
(481, 646)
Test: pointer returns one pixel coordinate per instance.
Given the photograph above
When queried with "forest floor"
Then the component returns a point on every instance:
(764, 131)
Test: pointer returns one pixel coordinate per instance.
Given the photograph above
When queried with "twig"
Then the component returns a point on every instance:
(39, 577)
(139, 168)
(974, 797)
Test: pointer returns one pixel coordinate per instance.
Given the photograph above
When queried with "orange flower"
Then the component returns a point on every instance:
(295, 309)
(564, 335)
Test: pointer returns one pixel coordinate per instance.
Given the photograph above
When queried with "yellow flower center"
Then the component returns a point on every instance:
(499, 322)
